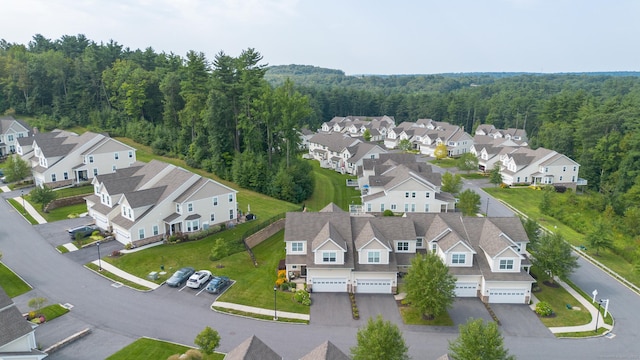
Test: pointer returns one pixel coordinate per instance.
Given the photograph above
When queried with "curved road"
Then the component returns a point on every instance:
(118, 316)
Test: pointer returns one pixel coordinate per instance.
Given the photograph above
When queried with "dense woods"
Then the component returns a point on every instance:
(237, 117)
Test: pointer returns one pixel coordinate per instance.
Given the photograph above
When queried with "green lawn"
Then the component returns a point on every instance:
(53, 311)
(253, 285)
(151, 349)
(411, 316)
(63, 213)
(116, 278)
(11, 283)
(444, 163)
(558, 298)
(331, 186)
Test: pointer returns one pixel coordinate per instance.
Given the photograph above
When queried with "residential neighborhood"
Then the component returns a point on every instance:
(11, 130)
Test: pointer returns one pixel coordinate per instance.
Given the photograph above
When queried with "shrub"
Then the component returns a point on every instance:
(115, 253)
(285, 286)
(302, 297)
(387, 213)
(282, 274)
(280, 281)
(560, 188)
(128, 246)
(543, 309)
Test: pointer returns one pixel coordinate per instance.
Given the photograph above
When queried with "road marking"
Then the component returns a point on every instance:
(184, 287)
(203, 289)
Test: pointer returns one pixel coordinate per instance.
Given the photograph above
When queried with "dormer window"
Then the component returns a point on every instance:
(329, 256)
(506, 264)
(458, 258)
(373, 257)
(402, 246)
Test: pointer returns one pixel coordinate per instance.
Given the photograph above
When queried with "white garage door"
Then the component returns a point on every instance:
(373, 286)
(507, 296)
(465, 289)
(329, 285)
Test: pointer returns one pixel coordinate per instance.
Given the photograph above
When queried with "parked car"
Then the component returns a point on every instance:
(180, 276)
(217, 284)
(84, 231)
(198, 279)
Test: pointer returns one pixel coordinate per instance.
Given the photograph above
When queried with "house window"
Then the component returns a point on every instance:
(230, 214)
(178, 210)
(546, 169)
(103, 199)
(329, 256)
(230, 197)
(215, 201)
(116, 156)
(10, 137)
(413, 194)
(129, 213)
(190, 207)
(53, 177)
(564, 168)
(297, 246)
(574, 168)
(506, 264)
(65, 175)
(426, 207)
(573, 179)
(458, 258)
(419, 242)
(141, 233)
(130, 154)
(413, 207)
(156, 230)
(368, 207)
(381, 207)
(113, 168)
(95, 172)
(373, 257)
(402, 246)
(193, 225)
(91, 159)
(406, 207)
(212, 218)
(406, 194)
(560, 178)
(394, 207)
(427, 194)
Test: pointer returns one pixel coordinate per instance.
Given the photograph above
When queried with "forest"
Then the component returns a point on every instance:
(236, 116)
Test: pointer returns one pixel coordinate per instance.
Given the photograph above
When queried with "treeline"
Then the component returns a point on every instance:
(220, 114)
(237, 117)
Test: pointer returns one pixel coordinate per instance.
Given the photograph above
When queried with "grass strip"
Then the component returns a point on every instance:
(146, 348)
(22, 211)
(116, 278)
(12, 284)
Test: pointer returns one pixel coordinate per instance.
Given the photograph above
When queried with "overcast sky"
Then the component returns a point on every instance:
(358, 37)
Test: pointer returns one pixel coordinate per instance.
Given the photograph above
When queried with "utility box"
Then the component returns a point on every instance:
(153, 275)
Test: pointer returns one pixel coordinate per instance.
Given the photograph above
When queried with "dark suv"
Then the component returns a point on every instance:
(84, 231)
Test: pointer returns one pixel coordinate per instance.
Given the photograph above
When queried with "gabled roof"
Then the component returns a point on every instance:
(9, 122)
(332, 207)
(369, 233)
(252, 349)
(146, 197)
(326, 351)
(13, 325)
(360, 150)
(334, 141)
(328, 233)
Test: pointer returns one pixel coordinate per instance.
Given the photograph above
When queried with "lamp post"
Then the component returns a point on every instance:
(487, 212)
(99, 261)
(275, 304)
(598, 315)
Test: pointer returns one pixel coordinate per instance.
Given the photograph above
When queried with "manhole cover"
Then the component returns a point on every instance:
(116, 284)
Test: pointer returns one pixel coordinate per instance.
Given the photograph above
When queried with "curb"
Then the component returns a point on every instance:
(62, 343)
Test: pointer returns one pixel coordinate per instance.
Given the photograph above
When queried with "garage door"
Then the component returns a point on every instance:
(329, 285)
(373, 286)
(507, 296)
(465, 289)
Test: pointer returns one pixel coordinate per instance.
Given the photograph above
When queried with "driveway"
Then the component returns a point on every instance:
(520, 320)
(334, 309)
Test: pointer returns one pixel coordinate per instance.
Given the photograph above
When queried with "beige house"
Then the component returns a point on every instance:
(148, 202)
(11, 130)
(333, 251)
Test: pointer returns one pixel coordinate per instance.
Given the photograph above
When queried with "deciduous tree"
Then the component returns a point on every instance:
(552, 254)
(451, 183)
(380, 339)
(478, 340)
(207, 340)
(16, 169)
(440, 151)
(495, 177)
(42, 195)
(600, 237)
(467, 162)
(429, 285)
(469, 202)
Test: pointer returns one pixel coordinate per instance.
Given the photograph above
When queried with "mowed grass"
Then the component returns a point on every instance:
(151, 349)
(331, 186)
(53, 311)
(411, 316)
(11, 283)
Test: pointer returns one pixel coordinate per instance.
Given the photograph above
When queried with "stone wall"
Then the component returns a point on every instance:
(71, 200)
(264, 234)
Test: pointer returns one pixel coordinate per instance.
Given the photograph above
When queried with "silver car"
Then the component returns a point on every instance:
(198, 279)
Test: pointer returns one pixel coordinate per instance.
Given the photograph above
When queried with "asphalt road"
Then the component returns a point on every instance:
(118, 316)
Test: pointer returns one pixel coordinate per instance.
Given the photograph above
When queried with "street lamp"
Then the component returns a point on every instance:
(598, 315)
(275, 304)
(99, 261)
(22, 196)
(487, 212)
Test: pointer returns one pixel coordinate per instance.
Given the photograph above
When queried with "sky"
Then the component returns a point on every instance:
(356, 36)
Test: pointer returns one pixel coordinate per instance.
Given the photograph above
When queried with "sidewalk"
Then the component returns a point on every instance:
(125, 275)
(29, 208)
(586, 305)
(260, 311)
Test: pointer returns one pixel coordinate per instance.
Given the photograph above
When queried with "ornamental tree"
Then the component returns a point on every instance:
(478, 340)
(207, 340)
(429, 285)
(380, 339)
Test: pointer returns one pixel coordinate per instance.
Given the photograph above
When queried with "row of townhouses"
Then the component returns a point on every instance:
(10, 131)
(339, 145)
(334, 251)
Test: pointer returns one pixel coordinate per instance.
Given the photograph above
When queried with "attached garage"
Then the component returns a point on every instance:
(507, 296)
(373, 286)
(466, 289)
(329, 285)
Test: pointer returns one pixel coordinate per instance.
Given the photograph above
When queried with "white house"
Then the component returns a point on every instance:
(17, 335)
(398, 183)
(341, 152)
(11, 130)
(540, 166)
(62, 158)
(151, 201)
(336, 252)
